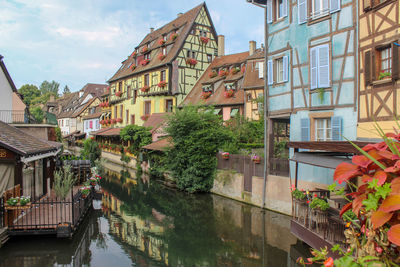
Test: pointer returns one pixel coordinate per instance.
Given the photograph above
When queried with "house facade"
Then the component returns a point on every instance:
(378, 66)
(91, 122)
(163, 68)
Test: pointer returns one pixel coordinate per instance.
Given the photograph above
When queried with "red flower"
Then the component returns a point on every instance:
(161, 41)
(229, 93)
(204, 40)
(134, 54)
(173, 36)
(308, 201)
(144, 62)
(145, 49)
(145, 88)
(222, 73)
(328, 262)
(205, 95)
(161, 56)
(235, 70)
(133, 67)
(118, 93)
(113, 121)
(162, 84)
(118, 120)
(212, 74)
(145, 117)
(191, 61)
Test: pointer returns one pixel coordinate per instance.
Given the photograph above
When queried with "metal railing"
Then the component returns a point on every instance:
(14, 116)
(46, 214)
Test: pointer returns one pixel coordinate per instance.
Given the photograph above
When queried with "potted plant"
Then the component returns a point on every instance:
(204, 40)
(144, 62)
(173, 36)
(229, 93)
(118, 93)
(235, 70)
(206, 95)
(191, 61)
(161, 56)
(161, 41)
(145, 89)
(384, 75)
(23, 201)
(113, 121)
(162, 84)
(134, 54)
(12, 201)
(222, 73)
(145, 49)
(225, 155)
(85, 190)
(256, 159)
(212, 74)
(93, 181)
(145, 117)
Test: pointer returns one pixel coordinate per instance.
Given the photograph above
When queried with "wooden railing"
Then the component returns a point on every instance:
(326, 224)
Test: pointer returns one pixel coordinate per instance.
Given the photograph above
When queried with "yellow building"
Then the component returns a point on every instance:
(163, 68)
(378, 66)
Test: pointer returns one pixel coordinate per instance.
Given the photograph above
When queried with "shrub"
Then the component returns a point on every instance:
(137, 135)
(91, 150)
(196, 134)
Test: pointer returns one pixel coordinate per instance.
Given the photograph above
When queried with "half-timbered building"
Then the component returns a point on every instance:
(163, 68)
(378, 66)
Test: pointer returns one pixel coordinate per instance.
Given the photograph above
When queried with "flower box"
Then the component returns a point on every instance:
(222, 73)
(134, 54)
(161, 56)
(225, 155)
(229, 93)
(204, 40)
(118, 120)
(191, 61)
(145, 117)
(213, 74)
(119, 93)
(144, 62)
(173, 36)
(235, 70)
(162, 84)
(145, 49)
(161, 41)
(145, 89)
(256, 159)
(17, 207)
(206, 95)
(113, 121)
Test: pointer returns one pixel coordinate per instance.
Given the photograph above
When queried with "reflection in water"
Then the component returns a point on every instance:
(142, 224)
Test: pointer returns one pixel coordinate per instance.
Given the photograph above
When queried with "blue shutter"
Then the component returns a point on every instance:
(302, 11)
(336, 124)
(285, 69)
(269, 11)
(270, 73)
(314, 68)
(305, 129)
(323, 66)
(334, 5)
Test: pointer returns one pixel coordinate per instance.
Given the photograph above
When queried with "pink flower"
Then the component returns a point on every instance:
(328, 262)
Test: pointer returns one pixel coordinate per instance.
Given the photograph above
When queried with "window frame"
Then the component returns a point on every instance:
(147, 107)
(163, 75)
(389, 59)
(167, 101)
(327, 127)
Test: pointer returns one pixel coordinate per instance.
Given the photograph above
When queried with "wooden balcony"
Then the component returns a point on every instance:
(317, 228)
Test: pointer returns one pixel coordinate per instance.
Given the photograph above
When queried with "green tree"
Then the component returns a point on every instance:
(66, 90)
(91, 150)
(49, 87)
(58, 135)
(196, 134)
(137, 135)
(29, 92)
(42, 99)
(37, 113)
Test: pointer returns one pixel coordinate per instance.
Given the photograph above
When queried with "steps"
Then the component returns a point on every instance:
(3, 236)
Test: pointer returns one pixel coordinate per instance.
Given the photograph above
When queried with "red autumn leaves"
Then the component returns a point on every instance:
(379, 194)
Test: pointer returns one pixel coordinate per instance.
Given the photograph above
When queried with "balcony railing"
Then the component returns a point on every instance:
(14, 116)
(115, 99)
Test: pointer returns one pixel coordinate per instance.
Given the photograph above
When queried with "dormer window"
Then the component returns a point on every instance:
(203, 33)
(191, 54)
(230, 86)
(207, 88)
(147, 56)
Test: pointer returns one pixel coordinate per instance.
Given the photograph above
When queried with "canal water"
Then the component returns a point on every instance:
(138, 223)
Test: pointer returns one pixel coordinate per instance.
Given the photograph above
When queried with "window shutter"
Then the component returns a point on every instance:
(334, 5)
(395, 61)
(302, 11)
(367, 68)
(270, 72)
(323, 66)
(285, 69)
(260, 70)
(336, 125)
(305, 129)
(314, 67)
(285, 8)
(373, 66)
(269, 11)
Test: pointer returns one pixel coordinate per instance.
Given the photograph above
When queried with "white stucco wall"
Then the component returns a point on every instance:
(6, 98)
(95, 126)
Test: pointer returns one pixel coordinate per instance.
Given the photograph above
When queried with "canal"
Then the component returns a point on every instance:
(138, 223)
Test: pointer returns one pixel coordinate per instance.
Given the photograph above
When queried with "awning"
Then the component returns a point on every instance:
(320, 159)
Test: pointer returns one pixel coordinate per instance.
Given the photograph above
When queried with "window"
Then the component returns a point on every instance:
(120, 86)
(146, 80)
(127, 115)
(191, 54)
(209, 58)
(319, 8)
(163, 75)
(323, 130)
(147, 107)
(134, 96)
(385, 60)
(312, 9)
(128, 91)
(168, 105)
(319, 67)
(121, 111)
(66, 122)
(147, 56)
(115, 111)
(203, 33)
(132, 119)
(164, 50)
(276, 10)
(97, 124)
(277, 70)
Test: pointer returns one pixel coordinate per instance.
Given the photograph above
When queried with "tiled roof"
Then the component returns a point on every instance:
(97, 113)
(259, 53)
(107, 132)
(181, 24)
(218, 98)
(155, 120)
(160, 145)
(22, 143)
(251, 78)
(83, 107)
(95, 89)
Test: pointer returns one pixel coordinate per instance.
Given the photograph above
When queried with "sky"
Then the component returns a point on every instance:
(75, 42)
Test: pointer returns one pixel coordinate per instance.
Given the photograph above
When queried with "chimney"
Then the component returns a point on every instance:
(221, 45)
(179, 14)
(151, 29)
(252, 47)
